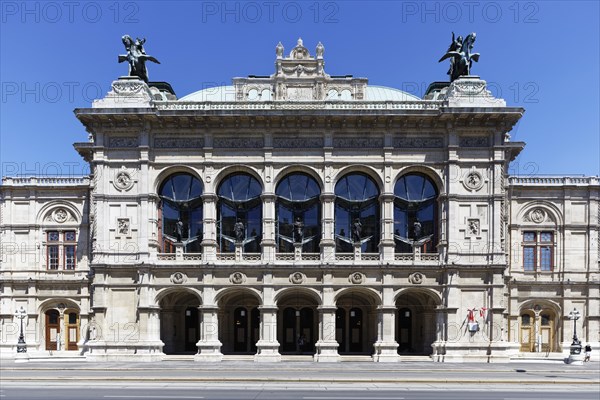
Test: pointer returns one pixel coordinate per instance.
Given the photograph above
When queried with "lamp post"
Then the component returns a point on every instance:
(21, 345)
(576, 345)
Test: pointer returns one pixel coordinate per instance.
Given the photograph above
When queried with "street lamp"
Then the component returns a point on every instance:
(21, 345)
(576, 345)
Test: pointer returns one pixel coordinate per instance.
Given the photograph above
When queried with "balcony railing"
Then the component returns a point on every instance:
(316, 258)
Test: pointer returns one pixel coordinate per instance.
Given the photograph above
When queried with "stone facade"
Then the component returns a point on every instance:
(369, 223)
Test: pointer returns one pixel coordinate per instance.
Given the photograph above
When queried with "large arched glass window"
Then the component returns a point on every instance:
(357, 213)
(239, 213)
(298, 213)
(415, 214)
(181, 212)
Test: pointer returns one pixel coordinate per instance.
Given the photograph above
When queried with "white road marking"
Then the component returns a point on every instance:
(152, 397)
(353, 398)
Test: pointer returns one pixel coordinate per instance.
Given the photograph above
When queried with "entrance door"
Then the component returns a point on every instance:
(191, 329)
(349, 330)
(246, 329)
(298, 330)
(527, 333)
(72, 330)
(547, 332)
(404, 331)
(52, 329)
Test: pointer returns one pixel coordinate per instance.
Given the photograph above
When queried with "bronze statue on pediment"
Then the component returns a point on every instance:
(136, 57)
(461, 58)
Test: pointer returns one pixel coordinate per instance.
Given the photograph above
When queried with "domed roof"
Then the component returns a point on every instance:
(384, 93)
(217, 93)
(227, 94)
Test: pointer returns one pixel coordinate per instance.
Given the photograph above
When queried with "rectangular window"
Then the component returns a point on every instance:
(61, 250)
(538, 251)
(529, 236)
(546, 258)
(529, 258)
(69, 256)
(53, 257)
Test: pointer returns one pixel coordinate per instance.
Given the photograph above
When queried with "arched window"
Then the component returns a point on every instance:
(415, 214)
(181, 212)
(357, 213)
(298, 213)
(239, 213)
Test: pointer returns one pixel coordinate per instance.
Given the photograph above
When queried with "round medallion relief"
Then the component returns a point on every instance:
(537, 215)
(357, 278)
(416, 278)
(123, 180)
(178, 278)
(473, 181)
(297, 278)
(60, 215)
(237, 278)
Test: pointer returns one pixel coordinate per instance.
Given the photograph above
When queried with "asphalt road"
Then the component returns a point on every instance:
(174, 393)
(299, 380)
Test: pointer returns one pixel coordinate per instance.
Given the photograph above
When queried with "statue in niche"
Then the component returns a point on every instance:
(136, 57)
(298, 230)
(238, 229)
(417, 230)
(461, 58)
(356, 230)
(179, 230)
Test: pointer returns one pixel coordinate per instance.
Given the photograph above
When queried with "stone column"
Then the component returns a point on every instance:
(326, 346)
(327, 241)
(209, 228)
(61, 341)
(387, 246)
(386, 347)
(438, 346)
(268, 346)
(209, 346)
(268, 234)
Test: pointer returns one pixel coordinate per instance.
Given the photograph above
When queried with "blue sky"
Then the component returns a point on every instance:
(56, 56)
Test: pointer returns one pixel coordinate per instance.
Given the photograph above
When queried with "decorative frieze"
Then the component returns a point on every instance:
(418, 142)
(238, 143)
(358, 143)
(179, 143)
(123, 141)
(297, 143)
(474, 141)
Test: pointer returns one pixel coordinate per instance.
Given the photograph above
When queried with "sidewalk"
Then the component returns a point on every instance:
(304, 373)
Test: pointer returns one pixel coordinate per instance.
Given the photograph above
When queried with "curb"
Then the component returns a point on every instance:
(305, 380)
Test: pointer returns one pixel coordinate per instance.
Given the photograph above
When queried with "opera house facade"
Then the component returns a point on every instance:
(298, 215)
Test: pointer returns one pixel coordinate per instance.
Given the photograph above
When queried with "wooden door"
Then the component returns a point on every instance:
(72, 330)
(527, 333)
(547, 332)
(52, 329)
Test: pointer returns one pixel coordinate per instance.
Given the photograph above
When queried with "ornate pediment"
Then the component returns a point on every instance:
(299, 77)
